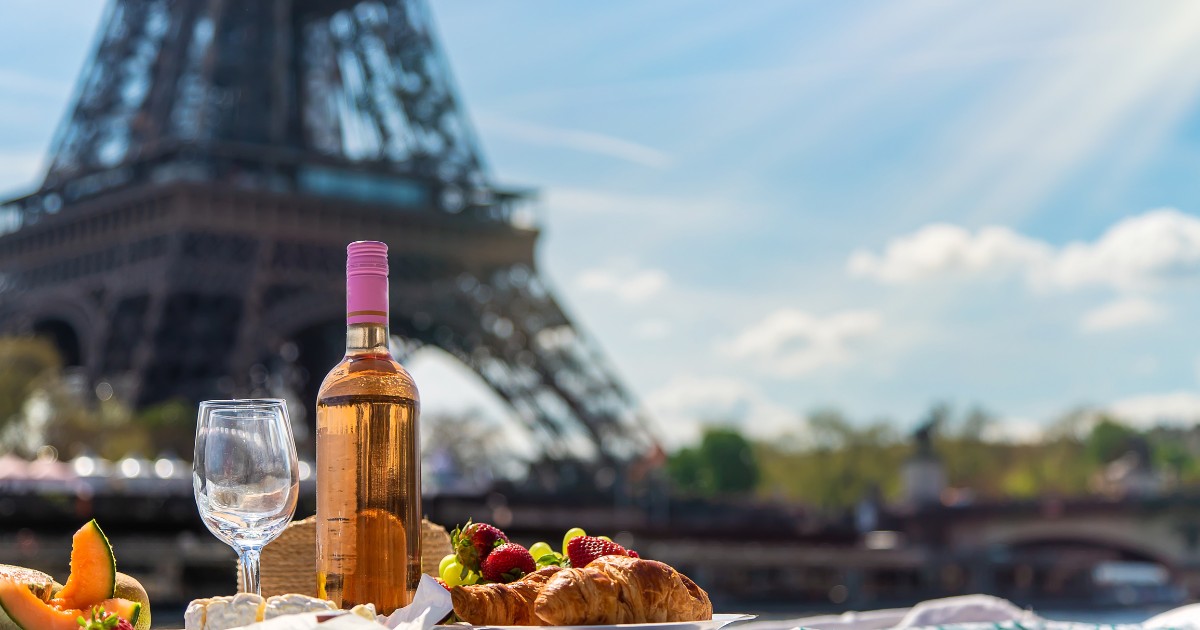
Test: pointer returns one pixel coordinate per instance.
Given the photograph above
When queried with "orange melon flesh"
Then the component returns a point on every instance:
(93, 576)
(128, 610)
(27, 611)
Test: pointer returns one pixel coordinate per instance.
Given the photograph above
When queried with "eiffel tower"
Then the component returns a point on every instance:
(200, 193)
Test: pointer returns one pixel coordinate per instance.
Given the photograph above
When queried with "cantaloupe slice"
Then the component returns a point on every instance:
(39, 583)
(130, 611)
(93, 576)
(30, 613)
(23, 608)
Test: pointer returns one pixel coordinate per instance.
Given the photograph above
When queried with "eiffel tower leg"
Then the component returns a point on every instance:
(512, 332)
(147, 345)
(252, 345)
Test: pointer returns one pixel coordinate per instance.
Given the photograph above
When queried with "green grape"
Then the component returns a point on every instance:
(447, 560)
(539, 549)
(472, 578)
(453, 574)
(574, 532)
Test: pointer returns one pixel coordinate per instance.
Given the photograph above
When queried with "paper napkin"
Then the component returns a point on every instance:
(430, 605)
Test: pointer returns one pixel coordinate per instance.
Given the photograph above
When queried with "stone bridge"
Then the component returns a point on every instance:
(1053, 538)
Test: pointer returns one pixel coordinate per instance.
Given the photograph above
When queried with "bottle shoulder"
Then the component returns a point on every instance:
(367, 375)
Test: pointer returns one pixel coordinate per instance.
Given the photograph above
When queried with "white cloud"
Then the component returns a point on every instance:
(942, 249)
(622, 280)
(574, 139)
(1122, 313)
(653, 329)
(1140, 252)
(1137, 252)
(790, 343)
(1175, 408)
(686, 404)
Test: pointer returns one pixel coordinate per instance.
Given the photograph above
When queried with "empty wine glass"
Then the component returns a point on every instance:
(245, 476)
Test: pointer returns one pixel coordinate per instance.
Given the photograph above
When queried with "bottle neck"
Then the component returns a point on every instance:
(367, 339)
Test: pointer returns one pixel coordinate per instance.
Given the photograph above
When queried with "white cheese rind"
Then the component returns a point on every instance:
(223, 613)
(294, 603)
(243, 609)
(193, 618)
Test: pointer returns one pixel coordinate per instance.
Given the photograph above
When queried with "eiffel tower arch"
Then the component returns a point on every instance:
(217, 158)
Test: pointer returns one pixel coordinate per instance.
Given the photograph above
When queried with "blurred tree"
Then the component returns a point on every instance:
(837, 465)
(1109, 440)
(724, 462)
(171, 426)
(25, 362)
(729, 460)
(685, 469)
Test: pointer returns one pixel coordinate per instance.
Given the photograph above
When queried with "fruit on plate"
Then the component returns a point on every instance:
(583, 549)
(100, 619)
(93, 576)
(90, 591)
(38, 583)
(474, 541)
(507, 563)
(25, 611)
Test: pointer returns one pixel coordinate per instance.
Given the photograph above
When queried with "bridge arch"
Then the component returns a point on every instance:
(1155, 541)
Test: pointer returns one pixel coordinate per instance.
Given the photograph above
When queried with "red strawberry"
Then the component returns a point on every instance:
(123, 625)
(474, 542)
(632, 554)
(583, 549)
(507, 563)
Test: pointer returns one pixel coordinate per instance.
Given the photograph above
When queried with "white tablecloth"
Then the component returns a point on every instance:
(969, 612)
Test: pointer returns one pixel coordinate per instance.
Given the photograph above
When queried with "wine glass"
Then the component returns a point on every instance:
(245, 476)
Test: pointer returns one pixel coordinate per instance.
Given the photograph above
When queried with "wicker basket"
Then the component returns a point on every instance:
(289, 564)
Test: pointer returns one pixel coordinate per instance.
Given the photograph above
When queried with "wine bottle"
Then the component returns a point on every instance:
(368, 454)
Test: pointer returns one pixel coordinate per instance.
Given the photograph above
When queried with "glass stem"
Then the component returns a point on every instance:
(248, 567)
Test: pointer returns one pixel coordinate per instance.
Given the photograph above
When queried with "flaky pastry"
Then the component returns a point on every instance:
(501, 604)
(619, 589)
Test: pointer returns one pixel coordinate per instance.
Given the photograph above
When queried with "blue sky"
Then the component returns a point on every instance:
(868, 205)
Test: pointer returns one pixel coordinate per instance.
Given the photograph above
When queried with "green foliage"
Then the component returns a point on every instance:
(24, 363)
(837, 461)
(38, 408)
(724, 463)
(686, 470)
(1109, 440)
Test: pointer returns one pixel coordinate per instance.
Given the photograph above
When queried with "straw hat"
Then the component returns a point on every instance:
(289, 564)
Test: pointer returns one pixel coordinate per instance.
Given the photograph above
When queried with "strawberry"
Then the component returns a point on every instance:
(508, 563)
(123, 625)
(474, 542)
(583, 549)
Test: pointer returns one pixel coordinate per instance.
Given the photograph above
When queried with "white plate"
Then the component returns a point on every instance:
(717, 622)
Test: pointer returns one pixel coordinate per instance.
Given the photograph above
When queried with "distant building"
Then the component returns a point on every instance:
(1130, 475)
(923, 474)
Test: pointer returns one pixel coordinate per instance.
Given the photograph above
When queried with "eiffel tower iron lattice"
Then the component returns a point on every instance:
(220, 154)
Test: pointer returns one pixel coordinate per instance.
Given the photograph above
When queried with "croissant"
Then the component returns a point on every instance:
(619, 589)
(501, 604)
